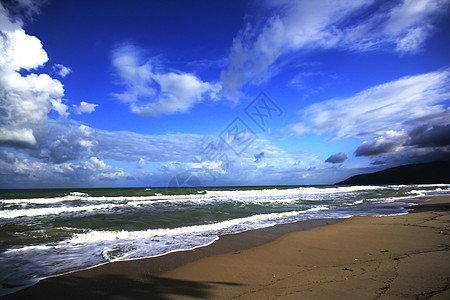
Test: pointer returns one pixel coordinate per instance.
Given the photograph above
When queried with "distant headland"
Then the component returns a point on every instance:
(433, 172)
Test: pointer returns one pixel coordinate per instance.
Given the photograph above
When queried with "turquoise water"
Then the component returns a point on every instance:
(49, 232)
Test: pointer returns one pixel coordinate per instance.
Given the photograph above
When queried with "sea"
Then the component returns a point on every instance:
(48, 232)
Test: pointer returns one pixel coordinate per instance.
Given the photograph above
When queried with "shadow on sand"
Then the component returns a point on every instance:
(117, 287)
(427, 207)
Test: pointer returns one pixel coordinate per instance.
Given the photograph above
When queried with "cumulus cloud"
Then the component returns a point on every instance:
(61, 70)
(336, 158)
(295, 26)
(25, 101)
(400, 104)
(69, 141)
(19, 50)
(59, 107)
(84, 107)
(66, 143)
(151, 92)
(67, 151)
(43, 146)
(18, 170)
(18, 137)
(99, 169)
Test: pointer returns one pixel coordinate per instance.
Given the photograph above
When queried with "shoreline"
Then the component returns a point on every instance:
(186, 273)
(157, 265)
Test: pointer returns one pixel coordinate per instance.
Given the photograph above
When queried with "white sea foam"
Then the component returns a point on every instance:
(432, 185)
(229, 226)
(251, 195)
(32, 212)
(29, 248)
(271, 194)
(78, 194)
(97, 246)
(33, 201)
(356, 202)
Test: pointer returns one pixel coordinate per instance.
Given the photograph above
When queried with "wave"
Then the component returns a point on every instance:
(74, 196)
(262, 197)
(32, 212)
(224, 227)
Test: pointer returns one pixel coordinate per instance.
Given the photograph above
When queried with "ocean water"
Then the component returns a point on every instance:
(50, 232)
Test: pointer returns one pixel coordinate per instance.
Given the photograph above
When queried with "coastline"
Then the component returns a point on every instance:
(358, 257)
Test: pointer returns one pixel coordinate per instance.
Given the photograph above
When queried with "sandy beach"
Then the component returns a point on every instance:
(396, 257)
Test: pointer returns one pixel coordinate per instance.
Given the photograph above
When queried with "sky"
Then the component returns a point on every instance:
(179, 93)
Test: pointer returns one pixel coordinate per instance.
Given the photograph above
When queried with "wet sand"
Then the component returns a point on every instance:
(398, 257)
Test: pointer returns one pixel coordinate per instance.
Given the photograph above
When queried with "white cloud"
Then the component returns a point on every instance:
(20, 171)
(413, 40)
(61, 142)
(18, 136)
(410, 14)
(99, 170)
(140, 163)
(294, 26)
(150, 92)
(130, 146)
(60, 107)
(61, 70)
(85, 107)
(66, 143)
(25, 100)
(400, 104)
(19, 50)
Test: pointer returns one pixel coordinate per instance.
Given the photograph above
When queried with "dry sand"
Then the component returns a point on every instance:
(398, 257)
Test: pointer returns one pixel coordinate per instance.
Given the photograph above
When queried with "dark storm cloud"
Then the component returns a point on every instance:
(389, 142)
(411, 156)
(371, 149)
(422, 137)
(435, 136)
(336, 158)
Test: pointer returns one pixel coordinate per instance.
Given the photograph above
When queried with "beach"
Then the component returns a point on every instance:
(391, 257)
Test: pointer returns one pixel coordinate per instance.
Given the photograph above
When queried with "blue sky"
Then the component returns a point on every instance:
(139, 93)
